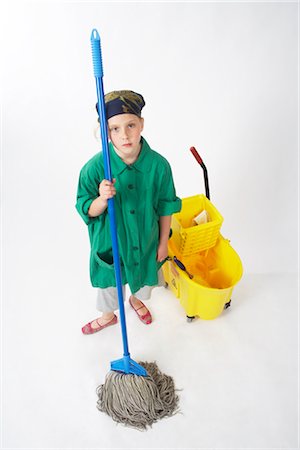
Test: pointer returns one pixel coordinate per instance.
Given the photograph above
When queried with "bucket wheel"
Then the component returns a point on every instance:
(190, 318)
(227, 304)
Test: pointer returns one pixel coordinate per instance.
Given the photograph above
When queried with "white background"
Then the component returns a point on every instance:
(222, 77)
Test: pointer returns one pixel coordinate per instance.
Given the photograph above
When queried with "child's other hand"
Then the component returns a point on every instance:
(107, 189)
(162, 252)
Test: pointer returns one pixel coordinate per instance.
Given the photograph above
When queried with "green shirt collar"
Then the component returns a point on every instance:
(142, 164)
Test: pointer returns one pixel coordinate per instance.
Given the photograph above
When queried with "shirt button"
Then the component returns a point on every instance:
(132, 211)
(135, 248)
(129, 167)
(136, 263)
(130, 186)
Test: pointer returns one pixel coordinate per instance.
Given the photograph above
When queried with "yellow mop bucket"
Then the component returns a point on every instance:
(202, 267)
(203, 282)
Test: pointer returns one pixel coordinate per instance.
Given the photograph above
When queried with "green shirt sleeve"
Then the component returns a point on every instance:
(168, 202)
(87, 192)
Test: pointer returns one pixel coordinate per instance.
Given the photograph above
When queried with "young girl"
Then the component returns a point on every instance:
(145, 199)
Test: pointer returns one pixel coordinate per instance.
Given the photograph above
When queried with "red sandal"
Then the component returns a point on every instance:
(87, 329)
(145, 318)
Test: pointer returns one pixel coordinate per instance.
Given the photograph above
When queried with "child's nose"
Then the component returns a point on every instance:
(125, 133)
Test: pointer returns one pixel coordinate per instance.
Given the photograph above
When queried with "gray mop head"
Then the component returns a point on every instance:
(138, 401)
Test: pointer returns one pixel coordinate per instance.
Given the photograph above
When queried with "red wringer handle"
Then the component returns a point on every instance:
(196, 155)
(200, 161)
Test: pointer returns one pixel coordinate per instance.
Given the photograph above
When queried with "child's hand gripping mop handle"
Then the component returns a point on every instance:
(125, 364)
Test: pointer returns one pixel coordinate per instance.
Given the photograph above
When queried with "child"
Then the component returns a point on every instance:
(144, 197)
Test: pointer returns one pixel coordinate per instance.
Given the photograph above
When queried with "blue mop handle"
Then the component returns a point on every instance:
(98, 72)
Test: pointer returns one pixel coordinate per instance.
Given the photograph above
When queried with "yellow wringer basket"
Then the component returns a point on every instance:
(189, 237)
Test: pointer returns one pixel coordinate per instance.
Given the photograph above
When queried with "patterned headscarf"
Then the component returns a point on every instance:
(123, 102)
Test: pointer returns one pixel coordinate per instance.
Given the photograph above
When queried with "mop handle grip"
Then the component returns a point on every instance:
(179, 263)
(182, 266)
(96, 54)
(196, 155)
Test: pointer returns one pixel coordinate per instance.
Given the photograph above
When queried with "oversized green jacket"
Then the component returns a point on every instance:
(145, 191)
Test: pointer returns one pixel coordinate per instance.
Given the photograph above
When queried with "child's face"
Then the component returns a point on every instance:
(125, 133)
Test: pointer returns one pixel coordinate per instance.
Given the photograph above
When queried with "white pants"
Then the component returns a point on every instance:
(107, 298)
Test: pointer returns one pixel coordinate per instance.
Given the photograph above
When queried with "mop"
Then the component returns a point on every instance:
(134, 394)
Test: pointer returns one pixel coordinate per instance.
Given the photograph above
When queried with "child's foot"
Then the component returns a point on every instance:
(98, 324)
(141, 310)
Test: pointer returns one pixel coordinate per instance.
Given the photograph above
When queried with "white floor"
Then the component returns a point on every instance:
(238, 373)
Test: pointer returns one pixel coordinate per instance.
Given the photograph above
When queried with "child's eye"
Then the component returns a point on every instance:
(114, 129)
(131, 125)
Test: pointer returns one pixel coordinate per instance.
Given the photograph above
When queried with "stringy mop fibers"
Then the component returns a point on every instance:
(138, 401)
